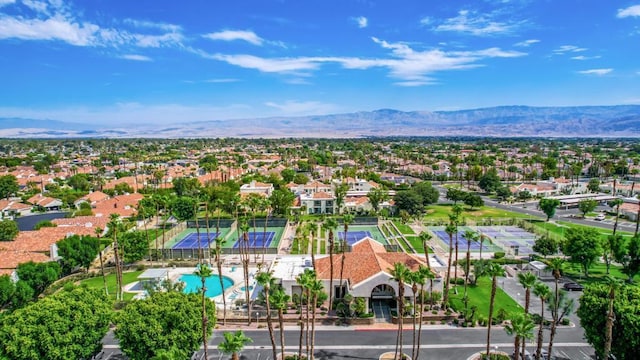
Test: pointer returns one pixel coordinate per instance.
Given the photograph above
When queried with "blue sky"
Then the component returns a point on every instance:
(141, 61)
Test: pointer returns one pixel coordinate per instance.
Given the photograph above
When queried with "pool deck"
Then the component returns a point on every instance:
(232, 293)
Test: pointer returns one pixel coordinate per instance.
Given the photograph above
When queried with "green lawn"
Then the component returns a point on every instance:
(127, 278)
(597, 273)
(404, 229)
(416, 243)
(562, 226)
(443, 211)
(480, 296)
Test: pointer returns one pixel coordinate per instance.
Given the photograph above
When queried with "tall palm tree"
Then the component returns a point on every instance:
(492, 270)
(528, 281)
(329, 225)
(481, 243)
(347, 219)
(455, 219)
(469, 236)
(400, 273)
(424, 238)
(315, 287)
(421, 276)
(279, 300)
(556, 265)
(203, 273)
(304, 279)
(614, 285)
(543, 292)
(616, 203)
(234, 343)
(265, 278)
(98, 232)
(414, 280)
(114, 224)
(450, 230)
(522, 327)
(244, 256)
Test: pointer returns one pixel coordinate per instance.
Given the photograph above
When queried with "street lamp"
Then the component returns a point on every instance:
(257, 319)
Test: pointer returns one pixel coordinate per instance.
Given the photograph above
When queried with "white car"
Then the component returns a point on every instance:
(600, 217)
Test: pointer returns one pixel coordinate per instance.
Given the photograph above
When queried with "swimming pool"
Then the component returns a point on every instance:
(194, 284)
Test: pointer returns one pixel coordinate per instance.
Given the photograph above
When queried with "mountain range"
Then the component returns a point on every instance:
(501, 121)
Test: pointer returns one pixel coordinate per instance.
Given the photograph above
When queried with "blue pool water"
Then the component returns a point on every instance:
(194, 284)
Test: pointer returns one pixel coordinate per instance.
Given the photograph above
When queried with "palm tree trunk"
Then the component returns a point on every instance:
(554, 316)
(426, 254)
(330, 270)
(400, 318)
(281, 322)
(494, 286)
(270, 324)
(468, 268)
(445, 297)
(308, 330)
(455, 269)
(204, 318)
(516, 348)
(301, 330)
(608, 336)
(413, 350)
(219, 265)
(420, 323)
(540, 331)
(313, 323)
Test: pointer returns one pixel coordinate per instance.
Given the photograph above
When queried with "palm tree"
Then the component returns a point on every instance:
(218, 251)
(481, 242)
(493, 270)
(233, 343)
(522, 327)
(98, 232)
(244, 255)
(614, 285)
(401, 274)
(414, 280)
(543, 292)
(265, 278)
(450, 230)
(556, 265)
(347, 219)
(455, 219)
(279, 300)
(113, 225)
(616, 203)
(528, 281)
(329, 225)
(421, 276)
(204, 272)
(469, 236)
(424, 237)
(315, 287)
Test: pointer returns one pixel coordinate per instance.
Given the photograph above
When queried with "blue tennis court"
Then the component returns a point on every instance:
(191, 240)
(354, 236)
(257, 239)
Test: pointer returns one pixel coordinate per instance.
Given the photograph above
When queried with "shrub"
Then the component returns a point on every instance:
(498, 254)
(565, 321)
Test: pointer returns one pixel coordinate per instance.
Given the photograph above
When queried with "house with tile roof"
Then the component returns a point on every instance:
(367, 272)
(45, 202)
(319, 203)
(256, 187)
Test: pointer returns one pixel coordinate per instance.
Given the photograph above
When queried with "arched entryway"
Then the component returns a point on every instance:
(382, 301)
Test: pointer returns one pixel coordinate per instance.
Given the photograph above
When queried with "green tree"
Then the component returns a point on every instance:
(300, 179)
(492, 270)
(79, 182)
(203, 272)
(281, 200)
(38, 275)
(556, 266)
(186, 186)
(427, 192)
(593, 185)
(8, 186)
(8, 230)
(162, 321)
(233, 343)
(473, 201)
(7, 289)
(409, 201)
(616, 203)
(593, 309)
(183, 208)
(545, 246)
(329, 225)
(377, 196)
(67, 325)
(77, 251)
(586, 206)
(549, 206)
(135, 245)
(583, 247)
(503, 193)
(455, 195)
(340, 192)
(490, 182)
(265, 278)
(280, 301)
(288, 175)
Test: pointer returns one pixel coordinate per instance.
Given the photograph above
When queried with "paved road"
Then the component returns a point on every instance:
(352, 343)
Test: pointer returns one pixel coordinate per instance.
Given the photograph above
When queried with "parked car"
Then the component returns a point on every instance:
(599, 217)
(571, 286)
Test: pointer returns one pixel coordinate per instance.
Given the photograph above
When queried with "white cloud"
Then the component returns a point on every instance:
(597, 72)
(582, 57)
(472, 23)
(53, 21)
(404, 63)
(361, 21)
(568, 49)
(527, 43)
(136, 57)
(426, 21)
(292, 107)
(630, 11)
(232, 35)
